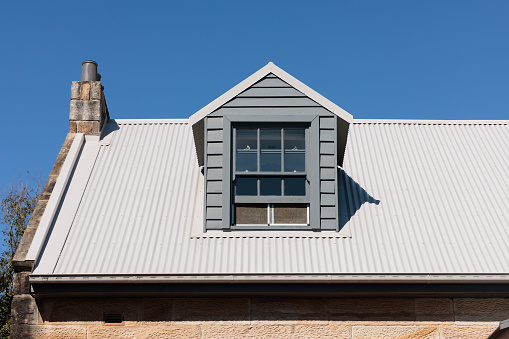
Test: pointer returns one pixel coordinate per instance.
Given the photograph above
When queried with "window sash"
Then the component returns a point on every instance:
(270, 220)
(270, 200)
(274, 198)
(282, 151)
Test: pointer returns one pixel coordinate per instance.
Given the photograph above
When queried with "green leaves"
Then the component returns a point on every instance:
(17, 203)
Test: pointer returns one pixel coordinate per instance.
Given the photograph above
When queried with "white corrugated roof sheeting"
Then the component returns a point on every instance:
(433, 199)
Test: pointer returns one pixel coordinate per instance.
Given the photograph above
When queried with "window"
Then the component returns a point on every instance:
(270, 178)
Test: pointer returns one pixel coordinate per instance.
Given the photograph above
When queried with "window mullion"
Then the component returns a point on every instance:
(282, 150)
(258, 151)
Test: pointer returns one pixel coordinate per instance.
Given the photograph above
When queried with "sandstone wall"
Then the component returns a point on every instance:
(402, 318)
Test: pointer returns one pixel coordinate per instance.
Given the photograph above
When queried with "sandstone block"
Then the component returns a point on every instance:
(24, 245)
(48, 332)
(85, 91)
(39, 209)
(289, 310)
(72, 127)
(356, 310)
(57, 166)
(192, 311)
(156, 311)
(89, 310)
(434, 309)
(20, 284)
(153, 332)
(246, 331)
(75, 90)
(24, 310)
(95, 90)
(481, 309)
(48, 187)
(392, 332)
(321, 331)
(63, 311)
(67, 143)
(467, 332)
(85, 110)
(88, 127)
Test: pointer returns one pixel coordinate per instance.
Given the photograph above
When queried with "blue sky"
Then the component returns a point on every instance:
(376, 59)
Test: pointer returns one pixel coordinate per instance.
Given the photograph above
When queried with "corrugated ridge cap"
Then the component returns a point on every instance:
(430, 122)
(355, 121)
(148, 121)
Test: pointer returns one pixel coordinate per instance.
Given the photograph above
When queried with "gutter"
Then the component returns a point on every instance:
(278, 278)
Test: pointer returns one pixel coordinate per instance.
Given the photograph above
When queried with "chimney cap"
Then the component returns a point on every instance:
(89, 71)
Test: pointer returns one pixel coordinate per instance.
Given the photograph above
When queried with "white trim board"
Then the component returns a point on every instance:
(257, 76)
(56, 195)
(51, 247)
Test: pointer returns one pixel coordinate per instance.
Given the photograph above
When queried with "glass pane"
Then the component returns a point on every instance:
(295, 186)
(295, 150)
(246, 150)
(246, 186)
(270, 186)
(270, 150)
(252, 214)
(290, 214)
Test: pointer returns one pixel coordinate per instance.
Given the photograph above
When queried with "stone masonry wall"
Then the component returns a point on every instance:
(402, 318)
(88, 110)
(23, 307)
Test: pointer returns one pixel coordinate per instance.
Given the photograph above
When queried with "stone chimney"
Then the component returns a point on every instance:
(88, 105)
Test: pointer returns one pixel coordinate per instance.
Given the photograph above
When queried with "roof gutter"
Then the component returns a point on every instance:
(279, 278)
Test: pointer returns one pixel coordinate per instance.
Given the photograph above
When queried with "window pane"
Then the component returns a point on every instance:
(270, 186)
(270, 150)
(295, 150)
(295, 186)
(252, 214)
(246, 186)
(290, 214)
(246, 150)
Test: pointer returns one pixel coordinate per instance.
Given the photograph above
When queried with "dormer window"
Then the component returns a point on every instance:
(271, 187)
(270, 149)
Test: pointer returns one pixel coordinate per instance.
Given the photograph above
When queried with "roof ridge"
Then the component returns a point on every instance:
(430, 122)
(149, 121)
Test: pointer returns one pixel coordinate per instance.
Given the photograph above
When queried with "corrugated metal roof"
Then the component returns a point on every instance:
(421, 198)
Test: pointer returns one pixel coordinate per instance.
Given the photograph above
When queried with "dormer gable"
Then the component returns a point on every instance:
(271, 82)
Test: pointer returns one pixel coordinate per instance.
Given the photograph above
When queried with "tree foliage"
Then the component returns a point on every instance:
(17, 203)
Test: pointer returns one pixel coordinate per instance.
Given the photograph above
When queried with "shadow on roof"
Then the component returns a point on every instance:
(351, 197)
(111, 126)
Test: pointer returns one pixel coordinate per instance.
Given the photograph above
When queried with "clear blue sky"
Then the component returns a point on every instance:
(376, 59)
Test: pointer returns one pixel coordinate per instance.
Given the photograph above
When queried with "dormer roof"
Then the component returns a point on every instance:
(271, 70)
(259, 75)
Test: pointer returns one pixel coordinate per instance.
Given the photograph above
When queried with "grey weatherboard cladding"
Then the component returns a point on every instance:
(270, 97)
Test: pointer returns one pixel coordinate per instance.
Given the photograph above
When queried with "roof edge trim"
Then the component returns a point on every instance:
(258, 75)
(56, 196)
(277, 278)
